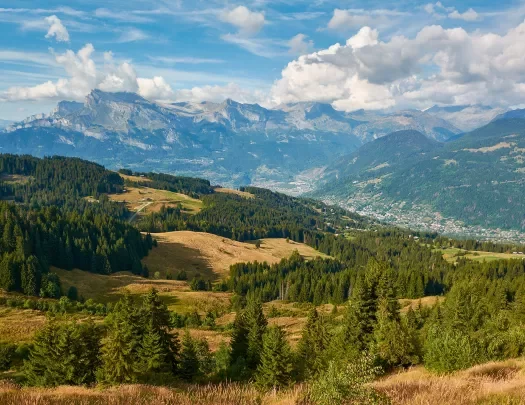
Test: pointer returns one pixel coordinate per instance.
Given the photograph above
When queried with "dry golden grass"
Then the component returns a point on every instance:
(148, 199)
(491, 383)
(479, 256)
(488, 384)
(134, 178)
(232, 191)
(424, 302)
(19, 325)
(176, 294)
(15, 178)
(227, 394)
(211, 256)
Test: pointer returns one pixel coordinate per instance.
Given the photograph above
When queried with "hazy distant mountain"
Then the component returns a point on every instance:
(477, 179)
(229, 142)
(466, 117)
(5, 123)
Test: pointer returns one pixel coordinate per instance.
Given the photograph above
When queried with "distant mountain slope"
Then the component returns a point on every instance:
(477, 179)
(466, 117)
(230, 143)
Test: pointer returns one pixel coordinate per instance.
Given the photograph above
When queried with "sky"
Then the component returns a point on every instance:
(353, 54)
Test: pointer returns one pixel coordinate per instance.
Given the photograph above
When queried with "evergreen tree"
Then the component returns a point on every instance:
(118, 357)
(311, 350)
(189, 362)
(275, 368)
(64, 354)
(256, 325)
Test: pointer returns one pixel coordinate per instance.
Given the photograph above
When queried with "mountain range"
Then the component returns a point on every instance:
(382, 163)
(229, 143)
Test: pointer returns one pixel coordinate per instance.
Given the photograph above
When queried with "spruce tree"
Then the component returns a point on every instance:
(311, 350)
(118, 357)
(256, 325)
(276, 367)
(189, 362)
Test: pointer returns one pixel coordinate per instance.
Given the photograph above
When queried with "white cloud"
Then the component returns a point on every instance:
(221, 93)
(248, 22)
(132, 35)
(83, 75)
(344, 19)
(56, 29)
(154, 89)
(365, 37)
(299, 44)
(449, 66)
(469, 15)
(264, 47)
(189, 60)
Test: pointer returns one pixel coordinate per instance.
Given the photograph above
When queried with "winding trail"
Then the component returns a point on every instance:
(140, 209)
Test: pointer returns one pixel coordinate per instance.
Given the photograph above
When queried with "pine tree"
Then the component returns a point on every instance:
(64, 354)
(275, 368)
(256, 325)
(189, 362)
(157, 318)
(311, 350)
(118, 358)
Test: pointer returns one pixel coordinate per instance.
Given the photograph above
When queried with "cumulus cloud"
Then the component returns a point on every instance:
(248, 22)
(220, 93)
(299, 44)
(154, 89)
(83, 75)
(346, 20)
(469, 15)
(56, 29)
(449, 66)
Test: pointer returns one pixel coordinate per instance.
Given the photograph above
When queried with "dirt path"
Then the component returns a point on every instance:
(140, 209)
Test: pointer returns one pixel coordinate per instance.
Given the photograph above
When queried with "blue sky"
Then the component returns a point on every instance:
(216, 49)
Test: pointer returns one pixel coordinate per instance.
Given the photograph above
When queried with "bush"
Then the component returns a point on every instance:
(346, 383)
(7, 352)
(450, 350)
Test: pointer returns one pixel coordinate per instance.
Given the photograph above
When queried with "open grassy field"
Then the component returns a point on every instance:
(451, 255)
(232, 191)
(211, 256)
(495, 383)
(146, 199)
(498, 383)
(196, 253)
(19, 325)
(15, 178)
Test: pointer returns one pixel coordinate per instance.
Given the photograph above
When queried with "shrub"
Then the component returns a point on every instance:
(450, 350)
(345, 384)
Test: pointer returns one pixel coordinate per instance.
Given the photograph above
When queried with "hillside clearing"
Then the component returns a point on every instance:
(453, 254)
(232, 191)
(148, 199)
(18, 325)
(211, 256)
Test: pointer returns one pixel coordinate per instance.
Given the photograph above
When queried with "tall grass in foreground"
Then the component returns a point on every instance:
(223, 394)
(496, 383)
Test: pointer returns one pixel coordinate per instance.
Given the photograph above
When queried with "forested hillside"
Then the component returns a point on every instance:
(380, 300)
(476, 179)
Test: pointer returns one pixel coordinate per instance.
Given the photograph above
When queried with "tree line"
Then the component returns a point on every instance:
(32, 240)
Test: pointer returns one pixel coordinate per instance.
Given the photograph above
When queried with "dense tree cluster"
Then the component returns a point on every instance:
(32, 240)
(53, 180)
(267, 215)
(191, 186)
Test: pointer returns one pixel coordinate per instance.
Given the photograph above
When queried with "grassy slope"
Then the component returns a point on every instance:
(449, 254)
(137, 197)
(491, 383)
